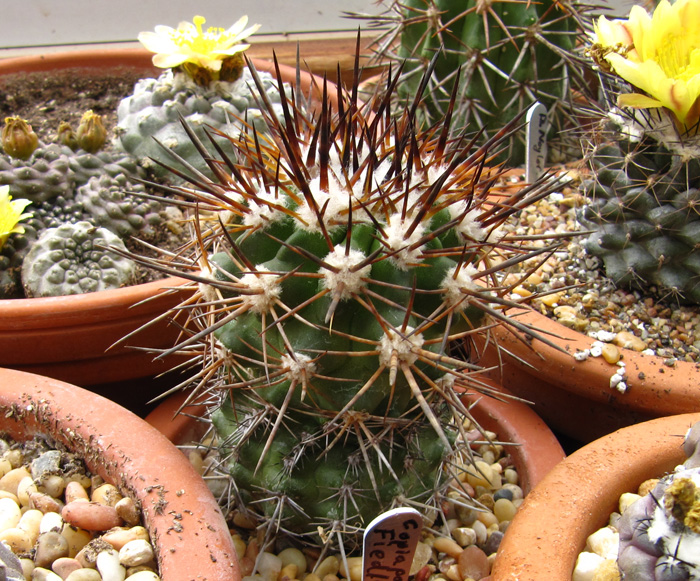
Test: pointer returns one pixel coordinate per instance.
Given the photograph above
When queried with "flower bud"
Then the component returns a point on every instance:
(18, 138)
(91, 132)
(66, 136)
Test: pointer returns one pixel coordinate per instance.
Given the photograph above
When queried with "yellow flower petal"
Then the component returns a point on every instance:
(664, 63)
(191, 43)
(638, 101)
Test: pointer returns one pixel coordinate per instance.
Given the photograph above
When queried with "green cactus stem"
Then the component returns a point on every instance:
(503, 55)
(336, 258)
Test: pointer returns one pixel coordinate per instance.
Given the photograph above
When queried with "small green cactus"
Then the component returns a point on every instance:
(337, 258)
(503, 55)
(644, 153)
(74, 259)
(151, 116)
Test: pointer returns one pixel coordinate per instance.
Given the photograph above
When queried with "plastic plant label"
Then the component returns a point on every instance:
(389, 544)
(536, 127)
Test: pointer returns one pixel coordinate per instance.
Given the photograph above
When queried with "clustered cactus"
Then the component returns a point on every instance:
(502, 55)
(74, 180)
(645, 154)
(336, 258)
(660, 532)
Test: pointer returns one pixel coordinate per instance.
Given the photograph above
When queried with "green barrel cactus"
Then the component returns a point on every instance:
(503, 56)
(338, 258)
(75, 259)
(644, 153)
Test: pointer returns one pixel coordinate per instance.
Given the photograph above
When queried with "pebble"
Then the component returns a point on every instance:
(49, 547)
(119, 537)
(493, 542)
(90, 516)
(84, 575)
(64, 566)
(107, 563)
(41, 574)
(473, 563)
(137, 552)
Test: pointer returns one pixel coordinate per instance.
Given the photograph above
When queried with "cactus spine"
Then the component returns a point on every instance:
(502, 55)
(337, 257)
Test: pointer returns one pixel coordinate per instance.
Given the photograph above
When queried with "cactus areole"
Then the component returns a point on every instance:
(338, 256)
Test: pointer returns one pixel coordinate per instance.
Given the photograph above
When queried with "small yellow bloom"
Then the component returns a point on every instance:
(189, 43)
(11, 213)
(658, 54)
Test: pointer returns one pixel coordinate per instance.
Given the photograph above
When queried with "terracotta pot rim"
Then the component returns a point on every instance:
(182, 516)
(577, 497)
(652, 386)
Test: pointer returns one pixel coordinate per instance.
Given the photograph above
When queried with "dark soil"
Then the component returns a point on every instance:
(44, 100)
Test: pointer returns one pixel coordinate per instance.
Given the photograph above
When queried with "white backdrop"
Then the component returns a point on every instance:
(31, 23)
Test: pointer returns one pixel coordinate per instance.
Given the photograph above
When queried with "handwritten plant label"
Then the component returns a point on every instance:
(389, 544)
(536, 126)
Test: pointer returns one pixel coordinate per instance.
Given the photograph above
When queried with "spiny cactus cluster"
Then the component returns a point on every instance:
(150, 117)
(644, 150)
(660, 532)
(644, 211)
(502, 55)
(336, 258)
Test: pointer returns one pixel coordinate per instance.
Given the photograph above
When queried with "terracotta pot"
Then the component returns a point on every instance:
(575, 397)
(69, 338)
(186, 526)
(577, 497)
(536, 452)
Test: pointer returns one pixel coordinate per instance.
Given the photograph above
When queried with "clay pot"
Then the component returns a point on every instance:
(536, 452)
(186, 526)
(69, 338)
(575, 397)
(577, 497)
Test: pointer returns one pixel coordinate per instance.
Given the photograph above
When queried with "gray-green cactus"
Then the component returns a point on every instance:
(644, 211)
(154, 109)
(46, 174)
(113, 203)
(74, 259)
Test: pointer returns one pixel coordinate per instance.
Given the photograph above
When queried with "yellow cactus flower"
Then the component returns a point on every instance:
(189, 43)
(11, 213)
(658, 54)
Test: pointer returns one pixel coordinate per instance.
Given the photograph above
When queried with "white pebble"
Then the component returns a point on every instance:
(269, 566)
(605, 336)
(41, 574)
(582, 355)
(596, 349)
(9, 514)
(108, 565)
(481, 532)
(51, 521)
(604, 542)
(586, 566)
(135, 553)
